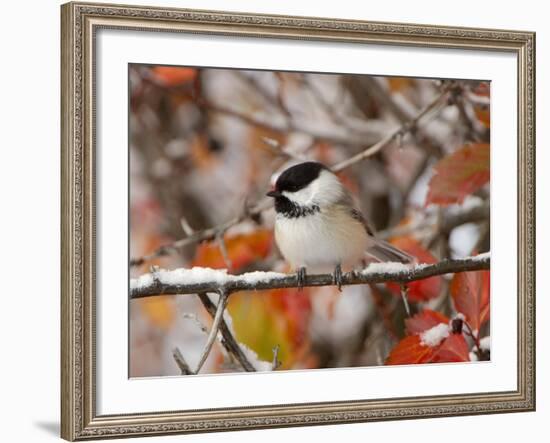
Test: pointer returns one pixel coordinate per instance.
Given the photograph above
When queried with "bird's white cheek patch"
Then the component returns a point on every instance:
(301, 197)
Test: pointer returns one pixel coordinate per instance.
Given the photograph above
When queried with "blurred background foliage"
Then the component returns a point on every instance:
(205, 145)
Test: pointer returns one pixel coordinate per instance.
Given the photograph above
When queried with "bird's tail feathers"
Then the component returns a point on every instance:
(384, 252)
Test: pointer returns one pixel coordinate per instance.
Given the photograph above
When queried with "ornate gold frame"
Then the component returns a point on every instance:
(79, 23)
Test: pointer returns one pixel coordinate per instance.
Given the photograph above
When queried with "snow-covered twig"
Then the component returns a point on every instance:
(203, 280)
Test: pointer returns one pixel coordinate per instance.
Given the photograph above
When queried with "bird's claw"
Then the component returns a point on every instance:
(301, 277)
(337, 277)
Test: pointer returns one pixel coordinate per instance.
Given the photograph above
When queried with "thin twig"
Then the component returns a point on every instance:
(180, 361)
(433, 106)
(186, 227)
(424, 138)
(218, 316)
(330, 134)
(470, 332)
(223, 249)
(228, 341)
(448, 221)
(275, 362)
(146, 286)
(195, 320)
(279, 149)
(404, 296)
(206, 234)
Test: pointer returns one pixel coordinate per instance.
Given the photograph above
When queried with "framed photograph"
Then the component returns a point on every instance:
(281, 221)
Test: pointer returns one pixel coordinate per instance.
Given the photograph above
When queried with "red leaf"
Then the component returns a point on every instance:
(471, 293)
(410, 351)
(420, 290)
(424, 320)
(459, 174)
(453, 349)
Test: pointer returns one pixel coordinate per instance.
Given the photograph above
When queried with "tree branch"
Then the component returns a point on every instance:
(180, 361)
(433, 107)
(228, 341)
(449, 221)
(218, 316)
(189, 281)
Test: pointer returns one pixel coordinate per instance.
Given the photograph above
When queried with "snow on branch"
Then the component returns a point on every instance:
(202, 280)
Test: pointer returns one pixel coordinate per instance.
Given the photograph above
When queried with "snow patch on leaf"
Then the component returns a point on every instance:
(434, 336)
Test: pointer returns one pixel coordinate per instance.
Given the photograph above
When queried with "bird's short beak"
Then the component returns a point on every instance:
(273, 193)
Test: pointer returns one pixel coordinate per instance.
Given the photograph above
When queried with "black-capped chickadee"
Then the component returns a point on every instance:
(318, 225)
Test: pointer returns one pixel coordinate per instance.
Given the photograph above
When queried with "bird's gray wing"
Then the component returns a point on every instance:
(357, 215)
(380, 250)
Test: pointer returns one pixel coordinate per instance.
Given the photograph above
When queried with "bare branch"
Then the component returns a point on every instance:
(164, 283)
(424, 137)
(228, 341)
(223, 250)
(448, 221)
(218, 316)
(206, 234)
(433, 107)
(405, 298)
(278, 149)
(180, 361)
(275, 363)
(195, 320)
(187, 229)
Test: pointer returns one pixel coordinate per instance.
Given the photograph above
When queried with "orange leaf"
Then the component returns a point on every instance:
(471, 292)
(483, 115)
(453, 349)
(410, 351)
(424, 320)
(397, 84)
(460, 174)
(160, 311)
(173, 75)
(242, 250)
(420, 290)
(265, 319)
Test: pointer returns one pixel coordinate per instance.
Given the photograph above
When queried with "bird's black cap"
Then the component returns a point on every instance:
(297, 177)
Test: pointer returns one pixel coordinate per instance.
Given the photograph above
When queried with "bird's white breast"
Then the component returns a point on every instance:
(322, 240)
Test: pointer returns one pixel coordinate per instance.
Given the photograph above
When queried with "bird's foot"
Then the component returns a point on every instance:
(301, 277)
(337, 277)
